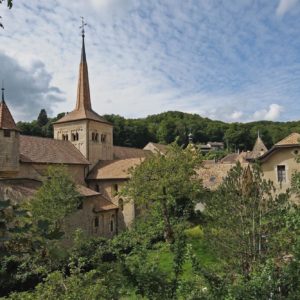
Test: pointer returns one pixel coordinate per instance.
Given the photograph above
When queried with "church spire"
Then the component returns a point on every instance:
(83, 89)
(3, 89)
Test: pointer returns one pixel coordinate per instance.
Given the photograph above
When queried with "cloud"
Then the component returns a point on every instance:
(284, 6)
(270, 114)
(28, 90)
(236, 115)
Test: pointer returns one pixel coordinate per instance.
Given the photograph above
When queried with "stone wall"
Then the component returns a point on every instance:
(9, 153)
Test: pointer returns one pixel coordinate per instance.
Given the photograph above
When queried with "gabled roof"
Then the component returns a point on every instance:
(292, 139)
(127, 152)
(6, 119)
(49, 151)
(114, 169)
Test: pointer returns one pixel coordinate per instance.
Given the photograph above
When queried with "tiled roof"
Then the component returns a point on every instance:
(18, 189)
(160, 147)
(127, 152)
(81, 114)
(114, 169)
(213, 174)
(85, 191)
(6, 119)
(230, 158)
(292, 139)
(50, 151)
(103, 204)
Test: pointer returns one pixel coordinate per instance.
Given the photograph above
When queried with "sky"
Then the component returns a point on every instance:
(230, 60)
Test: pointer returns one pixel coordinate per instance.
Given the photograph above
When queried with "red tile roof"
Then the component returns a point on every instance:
(49, 151)
(127, 152)
(114, 169)
(292, 139)
(6, 119)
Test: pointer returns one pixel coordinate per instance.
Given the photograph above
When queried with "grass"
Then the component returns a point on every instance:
(195, 238)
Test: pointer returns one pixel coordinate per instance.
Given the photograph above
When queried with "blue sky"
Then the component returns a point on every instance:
(232, 60)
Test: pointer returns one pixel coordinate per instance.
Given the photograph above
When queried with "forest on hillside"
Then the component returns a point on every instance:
(166, 127)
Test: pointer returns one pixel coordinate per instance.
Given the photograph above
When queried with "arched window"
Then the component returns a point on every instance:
(96, 137)
(112, 225)
(121, 204)
(96, 222)
(77, 136)
(103, 138)
(65, 137)
(93, 136)
(73, 137)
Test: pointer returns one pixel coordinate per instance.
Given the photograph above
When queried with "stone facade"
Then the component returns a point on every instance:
(9, 152)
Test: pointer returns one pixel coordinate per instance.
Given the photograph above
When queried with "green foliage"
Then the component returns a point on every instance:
(166, 127)
(42, 119)
(245, 218)
(167, 188)
(56, 199)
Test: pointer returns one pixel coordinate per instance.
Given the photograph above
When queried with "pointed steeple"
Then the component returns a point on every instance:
(6, 119)
(83, 89)
(83, 109)
(259, 147)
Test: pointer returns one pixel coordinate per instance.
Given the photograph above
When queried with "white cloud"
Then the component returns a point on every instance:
(236, 115)
(271, 114)
(284, 6)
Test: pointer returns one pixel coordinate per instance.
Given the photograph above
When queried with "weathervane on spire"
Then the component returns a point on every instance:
(2, 89)
(82, 27)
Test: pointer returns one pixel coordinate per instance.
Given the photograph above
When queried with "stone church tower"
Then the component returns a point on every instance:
(90, 133)
(9, 142)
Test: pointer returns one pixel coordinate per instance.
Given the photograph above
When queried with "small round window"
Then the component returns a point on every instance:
(296, 152)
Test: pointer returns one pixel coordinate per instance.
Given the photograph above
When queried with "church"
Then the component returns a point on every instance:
(83, 143)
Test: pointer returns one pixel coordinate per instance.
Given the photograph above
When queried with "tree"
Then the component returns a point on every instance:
(56, 199)
(42, 119)
(9, 5)
(167, 186)
(245, 218)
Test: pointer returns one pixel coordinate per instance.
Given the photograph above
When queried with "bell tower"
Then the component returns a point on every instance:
(90, 133)
(9, 142)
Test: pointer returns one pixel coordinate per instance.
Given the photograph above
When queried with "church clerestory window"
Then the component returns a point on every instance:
(103, 138)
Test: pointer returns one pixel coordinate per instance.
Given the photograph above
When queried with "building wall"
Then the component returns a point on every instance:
(70, 128)
(107, 188)
(9, 153)
(98, 149)
(93, 150)
(283, 157)
(84, 219)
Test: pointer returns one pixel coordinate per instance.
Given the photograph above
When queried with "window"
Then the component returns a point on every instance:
(103, 138)
(97, 188)
(121, 204)
(65, 137)
(112, 223)
(6, 132)
(96, 222)
(95, 136)
(75, 136)
(281, 174)
(116, 188)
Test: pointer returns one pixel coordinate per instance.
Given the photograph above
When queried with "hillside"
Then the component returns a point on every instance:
(165, 127)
